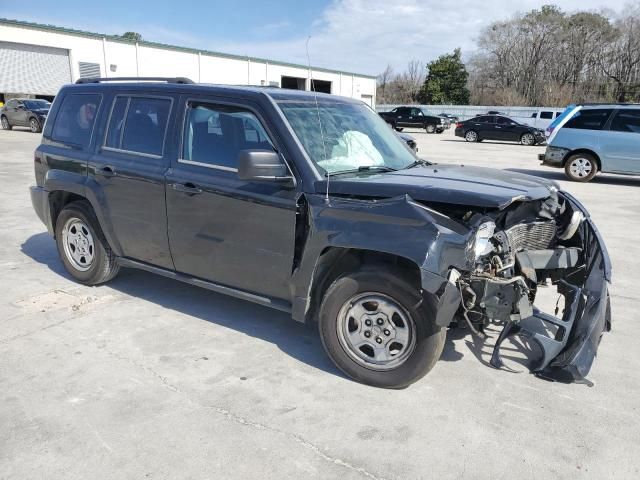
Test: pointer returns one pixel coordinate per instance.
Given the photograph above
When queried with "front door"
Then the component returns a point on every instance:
(620, 146)
(229, 231)
(130, 167)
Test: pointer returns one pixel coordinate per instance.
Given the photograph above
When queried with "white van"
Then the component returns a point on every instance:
(543, 117)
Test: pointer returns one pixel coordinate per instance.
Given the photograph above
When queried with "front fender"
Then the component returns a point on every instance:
(397, 226)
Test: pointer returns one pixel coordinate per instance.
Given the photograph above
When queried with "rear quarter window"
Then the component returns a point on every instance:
(626, 121)
(591, 119)
(76, 118)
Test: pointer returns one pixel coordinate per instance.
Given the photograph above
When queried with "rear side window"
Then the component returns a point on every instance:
(76, 118)
(546, 115)
(138, 124)
(485, 119)
(215, 134)
(626, 121)
(592, 119)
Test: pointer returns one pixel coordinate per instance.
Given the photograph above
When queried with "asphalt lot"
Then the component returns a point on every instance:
(149, 378)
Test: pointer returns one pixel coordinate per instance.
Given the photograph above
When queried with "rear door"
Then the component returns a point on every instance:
(230, 231)
(129, 167)
(485, 127)
(621, 143)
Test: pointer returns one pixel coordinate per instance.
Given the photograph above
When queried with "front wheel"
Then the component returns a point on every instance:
(82, 247)
(430, 128)
(377, 331)
(5, 123)
(581, 167)
(527, 139)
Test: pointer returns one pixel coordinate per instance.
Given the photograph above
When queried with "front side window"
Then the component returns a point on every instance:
(626, 121)
(546, 115)
(76, 118)
(342, 137)
(592, 119)
(216, 134)
(138, 124)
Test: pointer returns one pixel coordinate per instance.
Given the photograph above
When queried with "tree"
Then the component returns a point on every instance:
(446, 82)
(135, 36)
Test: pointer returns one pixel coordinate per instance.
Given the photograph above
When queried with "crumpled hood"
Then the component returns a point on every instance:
(454, 184)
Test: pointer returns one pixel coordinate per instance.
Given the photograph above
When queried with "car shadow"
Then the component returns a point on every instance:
(297, 340)
(558, 174)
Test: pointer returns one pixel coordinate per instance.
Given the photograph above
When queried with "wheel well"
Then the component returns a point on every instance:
(336, 261)
(582, 150)
(58, 199)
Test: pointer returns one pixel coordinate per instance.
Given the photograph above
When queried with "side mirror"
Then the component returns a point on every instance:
(262, 165)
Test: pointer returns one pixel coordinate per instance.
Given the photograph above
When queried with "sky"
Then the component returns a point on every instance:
(360, 36)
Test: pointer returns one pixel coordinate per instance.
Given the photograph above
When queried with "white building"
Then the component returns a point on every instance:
(36, 60)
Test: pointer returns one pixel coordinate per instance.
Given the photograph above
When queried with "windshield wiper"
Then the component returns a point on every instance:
(368, 168)
(419, 162)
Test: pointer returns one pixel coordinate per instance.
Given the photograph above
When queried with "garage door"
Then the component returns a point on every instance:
(33, 69)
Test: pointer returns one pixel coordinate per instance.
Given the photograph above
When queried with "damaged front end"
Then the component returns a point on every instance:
(519, 251)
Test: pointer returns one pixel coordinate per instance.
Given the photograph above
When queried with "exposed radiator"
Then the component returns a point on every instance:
(531, 236)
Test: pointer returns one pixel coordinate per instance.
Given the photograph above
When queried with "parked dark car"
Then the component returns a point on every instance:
(24, 112)
(413, 117)
(409, 140)
(498, 127)
(308, 203)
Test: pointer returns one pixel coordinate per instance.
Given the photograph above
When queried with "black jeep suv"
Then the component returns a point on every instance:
(311, 204)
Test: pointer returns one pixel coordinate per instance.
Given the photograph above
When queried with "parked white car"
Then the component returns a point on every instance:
(543, 117)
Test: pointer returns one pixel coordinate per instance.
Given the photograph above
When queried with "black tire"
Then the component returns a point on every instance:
(5, 123)
(103, 266)
(581, 167)
(471, 136)
(429, 338)
(528, 139)
(34, 125)
(430, 128)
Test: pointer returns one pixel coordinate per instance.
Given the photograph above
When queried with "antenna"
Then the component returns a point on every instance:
(315, 96)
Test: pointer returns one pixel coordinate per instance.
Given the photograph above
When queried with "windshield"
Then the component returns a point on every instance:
(353, 137)
(36, 104)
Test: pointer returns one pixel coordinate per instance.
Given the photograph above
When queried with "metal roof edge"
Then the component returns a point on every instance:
(146, 43)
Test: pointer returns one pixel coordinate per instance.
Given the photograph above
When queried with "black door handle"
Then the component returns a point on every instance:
(188, 188)
(107, 171)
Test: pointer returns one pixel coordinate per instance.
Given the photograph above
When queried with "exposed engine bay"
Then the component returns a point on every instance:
(551, 244)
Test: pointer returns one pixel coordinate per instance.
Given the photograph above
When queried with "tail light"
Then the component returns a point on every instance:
(458, 124)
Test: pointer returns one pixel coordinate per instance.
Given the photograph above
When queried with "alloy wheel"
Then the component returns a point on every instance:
(527, 139)
(376, 331)
(5, 123)
(471, 136)
(33, 124)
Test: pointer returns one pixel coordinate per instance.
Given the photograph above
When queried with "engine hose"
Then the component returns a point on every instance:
(465, 311)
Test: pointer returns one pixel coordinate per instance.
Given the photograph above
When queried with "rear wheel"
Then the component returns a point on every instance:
(376, 330)
(34, 125)
(5, 123)
(82, 247)
(430, 128)
(471, 136)
(581, 167)
(527, 139)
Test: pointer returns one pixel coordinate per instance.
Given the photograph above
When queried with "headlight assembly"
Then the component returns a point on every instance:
(483, 245)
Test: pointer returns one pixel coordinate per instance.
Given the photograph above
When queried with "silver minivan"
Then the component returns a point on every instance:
(587, 139)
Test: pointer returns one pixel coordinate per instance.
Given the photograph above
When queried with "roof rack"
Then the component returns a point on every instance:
(181, 80)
